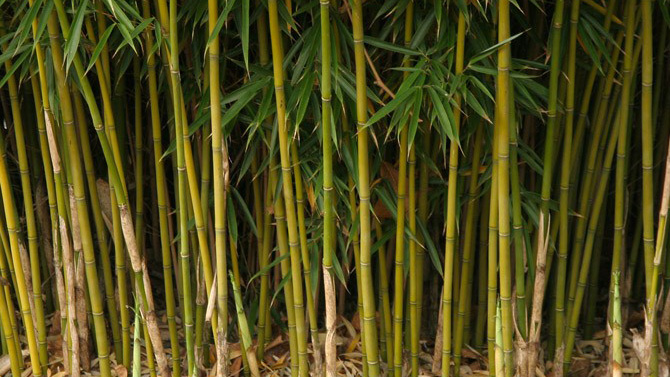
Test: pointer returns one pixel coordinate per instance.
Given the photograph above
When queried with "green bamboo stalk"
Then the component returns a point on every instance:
(161, 195)
(520, 234)
(287, 184)
(117, 232)
(26, 190)
(82, 207)
(304, 255)
(8, 265)
(482, 274)
(399, 269)
(647, 143)
(652, 311)
(385, 302)
(468, 247)
(594, 275)
(13, 229)
(263, 304)
(617, 333)
(554, 72)
(245, 334)
(7, 273)
(504, 89)
(492, 273)
(10, 344)
(329, 199)
(219, 186)
(413, 260)
(355, 243)
(184, 252)
(450, 247)
(423, 219)
(368, 317)
(622, 146)
(564, 226)
(647, 152)
(588, 248)
(116, 180)
(101, 232)
(282, 243)
(600, 127)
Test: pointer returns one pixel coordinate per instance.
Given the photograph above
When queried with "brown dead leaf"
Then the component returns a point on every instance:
(580, 367)
(121, 371)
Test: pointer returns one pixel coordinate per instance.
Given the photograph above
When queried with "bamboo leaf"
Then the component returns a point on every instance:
(100, 46)
(220, 21)
(400, 99)
(245, 210)
(24, 27)
(269, 267)
(244, 32)
(72, 42)
(372, 41)
(232, 220)
(492, 49)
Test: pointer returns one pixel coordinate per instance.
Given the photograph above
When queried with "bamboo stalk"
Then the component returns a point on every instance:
(368, 317)
(161, 197)
(503, 93)
(329, 199)
(564, 226)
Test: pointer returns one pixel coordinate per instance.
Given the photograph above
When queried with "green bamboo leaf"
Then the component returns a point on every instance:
(232, 220)
(444, 114)
(42, 22)
(9, 54)
(338, 269)
(401, 98)
(244, 32)
(372, 41)
(414, 120)
(472, 101)
(24, 27)
(281, 285)
(136, 32)
(72, 42)
(245, 210)
(665, 12)
(17, 63)
(423, 28)
(430, 246)
(100, 46)
(220, 21)
(492, 49)
(269, 267)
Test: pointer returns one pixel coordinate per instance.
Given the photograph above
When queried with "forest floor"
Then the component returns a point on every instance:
(590, 358)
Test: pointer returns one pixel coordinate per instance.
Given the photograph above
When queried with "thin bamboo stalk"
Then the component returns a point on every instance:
(116, 179)
(268, 236)
(399, 270)
(161, 196)
(588, 248)
(492, 271)
(287, 185)
(368, 317)
(282, 243)
(468, 247)
(329, 199)
(504, 88)
(564, 226)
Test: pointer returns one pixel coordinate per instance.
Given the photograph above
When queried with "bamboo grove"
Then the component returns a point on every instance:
(334, 187)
